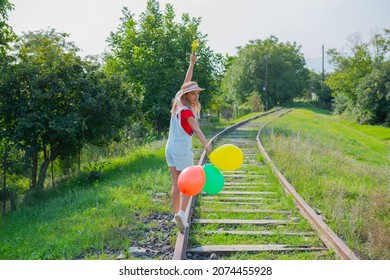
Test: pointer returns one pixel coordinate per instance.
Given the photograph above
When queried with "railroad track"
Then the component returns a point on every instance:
(258, 215)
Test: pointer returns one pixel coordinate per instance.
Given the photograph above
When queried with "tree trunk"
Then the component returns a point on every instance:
(44, 167)
(34, 171)
(42, 174)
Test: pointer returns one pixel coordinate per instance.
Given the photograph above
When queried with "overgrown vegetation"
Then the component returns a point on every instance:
(90, 217)
(342, 170)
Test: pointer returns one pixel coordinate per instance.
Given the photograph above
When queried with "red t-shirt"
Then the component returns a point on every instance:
(185, 114)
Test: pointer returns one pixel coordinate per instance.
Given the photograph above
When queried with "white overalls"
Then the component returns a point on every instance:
(178, 151)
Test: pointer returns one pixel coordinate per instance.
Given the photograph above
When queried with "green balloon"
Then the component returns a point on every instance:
(214, 179)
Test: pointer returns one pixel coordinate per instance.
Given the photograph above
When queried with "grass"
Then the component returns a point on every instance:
(341, 169)
(84, 220)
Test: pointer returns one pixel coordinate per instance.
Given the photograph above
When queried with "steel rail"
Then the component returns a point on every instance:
(330, 239)
(182, 238)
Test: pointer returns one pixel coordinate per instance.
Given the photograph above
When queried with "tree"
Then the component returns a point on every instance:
(6, 38)
(106, 94)
(286, 71)
(53, 102)
(350, 70)
(6, 34)
(355, 75)
(373, 96)
(153, 54)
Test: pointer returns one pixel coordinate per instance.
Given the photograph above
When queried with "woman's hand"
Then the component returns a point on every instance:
(193, 59)
(190, 70)
(208, 148)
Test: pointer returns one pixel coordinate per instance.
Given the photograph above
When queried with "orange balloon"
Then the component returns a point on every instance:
(191, 180)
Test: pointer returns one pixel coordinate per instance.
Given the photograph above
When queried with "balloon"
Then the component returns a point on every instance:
(191, 180)
(227, 157)
(214, 179)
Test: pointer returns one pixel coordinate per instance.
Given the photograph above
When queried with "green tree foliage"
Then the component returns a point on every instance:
(373, 96)
(153, 55)
(360, 80)
(52, 102)
(6, 34)
(107, 104)
(6, 38)
(350, 70)
(286, 71)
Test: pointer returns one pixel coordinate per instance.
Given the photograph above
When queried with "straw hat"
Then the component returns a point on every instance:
(188, 87)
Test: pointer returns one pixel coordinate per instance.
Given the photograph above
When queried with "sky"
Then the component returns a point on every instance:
(228, 23)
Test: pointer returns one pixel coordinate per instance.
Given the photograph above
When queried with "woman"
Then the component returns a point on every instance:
(178, 152)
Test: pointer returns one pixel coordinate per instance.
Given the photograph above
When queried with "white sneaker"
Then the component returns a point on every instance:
(181, 221)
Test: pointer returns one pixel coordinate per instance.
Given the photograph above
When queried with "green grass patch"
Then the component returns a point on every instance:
(80, 219)
(341, 169)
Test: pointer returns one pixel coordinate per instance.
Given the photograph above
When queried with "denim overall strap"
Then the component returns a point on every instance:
(179, 145)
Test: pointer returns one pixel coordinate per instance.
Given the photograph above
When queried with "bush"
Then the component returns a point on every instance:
(340, 104)
(16, 187)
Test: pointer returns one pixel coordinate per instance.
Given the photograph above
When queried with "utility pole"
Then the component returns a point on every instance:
(266, 82)
(323, 75)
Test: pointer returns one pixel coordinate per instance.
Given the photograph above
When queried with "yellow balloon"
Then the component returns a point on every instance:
(227, 157)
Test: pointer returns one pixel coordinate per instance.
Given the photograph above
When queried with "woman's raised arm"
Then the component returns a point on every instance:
(190, 70)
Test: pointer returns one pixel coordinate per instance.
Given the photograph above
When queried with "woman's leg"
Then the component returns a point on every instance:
(184, 201)
(175, 192)
(179, 201)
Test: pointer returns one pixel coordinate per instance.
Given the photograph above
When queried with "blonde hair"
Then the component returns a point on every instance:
(177, 102)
